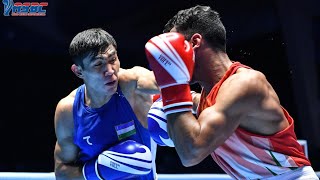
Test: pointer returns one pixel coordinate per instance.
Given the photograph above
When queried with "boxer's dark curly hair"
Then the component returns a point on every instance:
(202, 20)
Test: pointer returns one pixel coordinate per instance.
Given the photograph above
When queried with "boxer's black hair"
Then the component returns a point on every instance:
(89, 42)
(202, 20)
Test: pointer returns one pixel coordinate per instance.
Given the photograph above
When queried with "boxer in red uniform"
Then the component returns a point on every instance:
(240, 121)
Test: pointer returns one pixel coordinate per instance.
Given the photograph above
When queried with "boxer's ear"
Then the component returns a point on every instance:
(195, 40)
(77, 70)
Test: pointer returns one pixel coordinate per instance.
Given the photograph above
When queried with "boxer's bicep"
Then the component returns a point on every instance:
(216, 127)
(146, 82)
(65, 150)
(139, 79)
(66, 164)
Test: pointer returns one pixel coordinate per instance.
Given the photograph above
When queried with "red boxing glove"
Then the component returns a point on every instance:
(171, 58)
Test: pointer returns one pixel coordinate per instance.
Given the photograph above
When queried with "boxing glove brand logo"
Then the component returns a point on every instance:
(24, 9)
(114, 165)
(164, 60)
(87, 139)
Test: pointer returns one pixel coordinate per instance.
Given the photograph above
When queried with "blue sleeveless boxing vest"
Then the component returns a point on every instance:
(97, 129)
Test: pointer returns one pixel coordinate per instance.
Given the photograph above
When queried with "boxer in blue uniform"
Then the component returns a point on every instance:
(101, 127)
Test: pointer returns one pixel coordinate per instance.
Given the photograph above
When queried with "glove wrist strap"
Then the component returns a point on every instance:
(176, 98)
